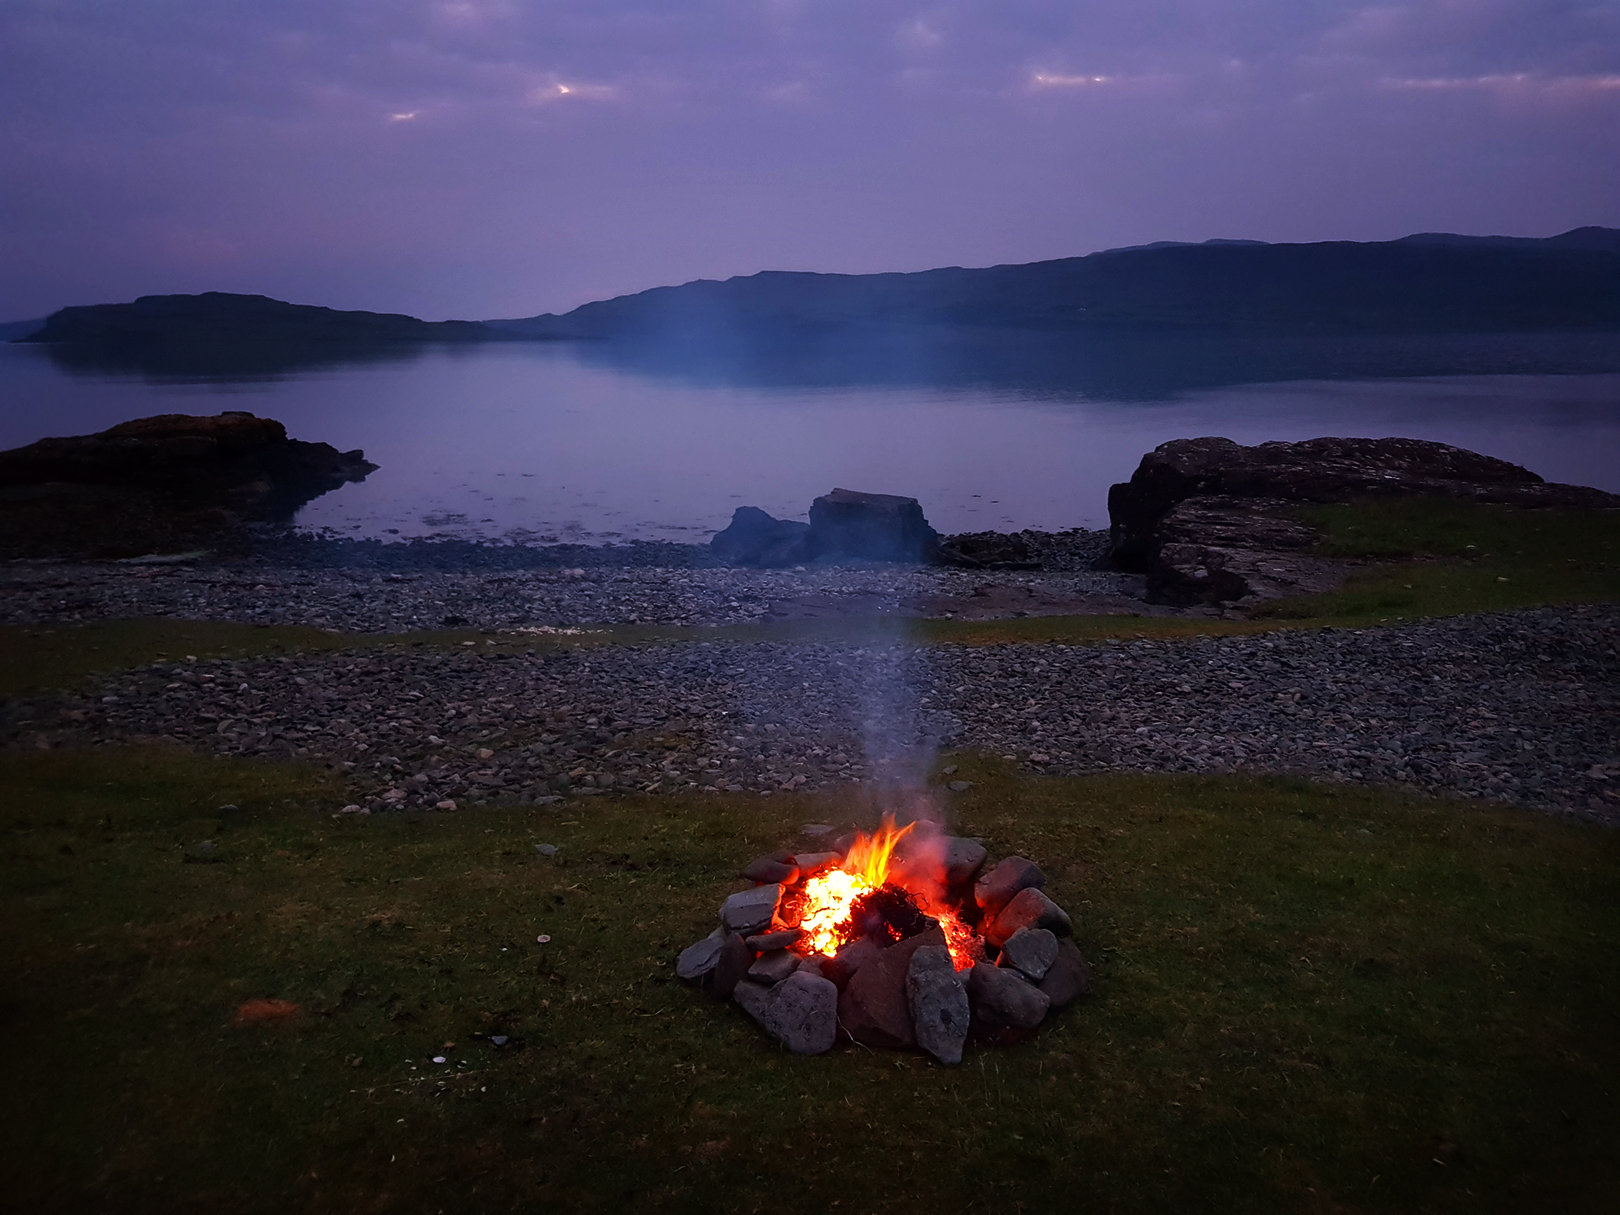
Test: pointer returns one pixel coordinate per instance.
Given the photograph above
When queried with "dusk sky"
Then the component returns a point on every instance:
(483, 158)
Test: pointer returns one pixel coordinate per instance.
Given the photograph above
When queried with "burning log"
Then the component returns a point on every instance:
(904, 940)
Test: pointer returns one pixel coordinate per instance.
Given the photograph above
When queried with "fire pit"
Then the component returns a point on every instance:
(902, 938)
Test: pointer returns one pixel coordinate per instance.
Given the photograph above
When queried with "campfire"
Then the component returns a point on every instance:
(901, 938)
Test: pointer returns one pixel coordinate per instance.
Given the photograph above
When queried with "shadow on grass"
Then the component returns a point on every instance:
(1306, 998)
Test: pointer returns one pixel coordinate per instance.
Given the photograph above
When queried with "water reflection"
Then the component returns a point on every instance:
(220, 362)
(1118, 365)
(598, 441)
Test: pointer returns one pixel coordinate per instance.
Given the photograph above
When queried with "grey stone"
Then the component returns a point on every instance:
(1031, 952)
(778, 869)
(753, 998)
(750, 911)
(939, 1003)
(1004, 997)
(1029, 908)
(963, 860)
(774, 966)
(800, 1012)
(812, 965)
(546, 849)
(996, 886)
(698, 961)
(1069, 978)
(812, 863)
(959, 786)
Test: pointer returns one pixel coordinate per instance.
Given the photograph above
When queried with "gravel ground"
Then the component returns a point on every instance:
(1519, 707)
(359, 597)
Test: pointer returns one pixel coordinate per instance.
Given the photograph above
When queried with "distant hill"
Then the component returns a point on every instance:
(219, 317)
(11, 331)
(1427, 283)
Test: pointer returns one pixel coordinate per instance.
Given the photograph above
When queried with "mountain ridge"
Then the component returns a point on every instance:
(1441, 281)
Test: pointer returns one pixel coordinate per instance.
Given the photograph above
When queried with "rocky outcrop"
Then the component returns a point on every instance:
(870, 527)
(844, 525)
(758, 539)
(161, 482)
(1209, 520)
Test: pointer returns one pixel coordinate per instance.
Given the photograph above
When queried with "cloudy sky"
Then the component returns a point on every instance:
(483, 158)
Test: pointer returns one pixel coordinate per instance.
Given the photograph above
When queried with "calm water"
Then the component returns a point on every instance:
(532, 441)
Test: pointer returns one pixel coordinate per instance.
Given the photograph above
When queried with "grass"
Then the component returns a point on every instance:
(1444, 558)
(1306, 998)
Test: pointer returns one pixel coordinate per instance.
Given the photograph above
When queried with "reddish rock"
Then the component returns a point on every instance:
(841, 967)
(996, 887)
(1029, 908)
(873, 1007)
(963, 860)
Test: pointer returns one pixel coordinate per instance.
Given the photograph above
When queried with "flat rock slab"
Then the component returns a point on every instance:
(774, 966)
(698, 961)
(750, 911)
(1004, 997)
(1031, 952)
(812, 863)
(777, 868)
(800, 1012)
(780, 939)
(940, 1015)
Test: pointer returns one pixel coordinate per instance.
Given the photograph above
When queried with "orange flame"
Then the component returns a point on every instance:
(829, 896)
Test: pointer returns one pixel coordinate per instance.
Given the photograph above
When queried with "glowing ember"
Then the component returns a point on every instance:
(829, 900)
(966, 946)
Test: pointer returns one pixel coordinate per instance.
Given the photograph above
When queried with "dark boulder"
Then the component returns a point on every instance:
(1029, 908)
(1069, 977)
(869, 527)
(756, 538)
(1004, 997)
(160, 482)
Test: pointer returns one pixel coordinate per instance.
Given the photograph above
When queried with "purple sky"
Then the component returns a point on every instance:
(481, 158)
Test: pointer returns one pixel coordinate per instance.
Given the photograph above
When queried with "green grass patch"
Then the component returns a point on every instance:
(1455, 557)
(1305, 998)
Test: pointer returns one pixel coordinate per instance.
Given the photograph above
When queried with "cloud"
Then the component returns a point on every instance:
(498, 156)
